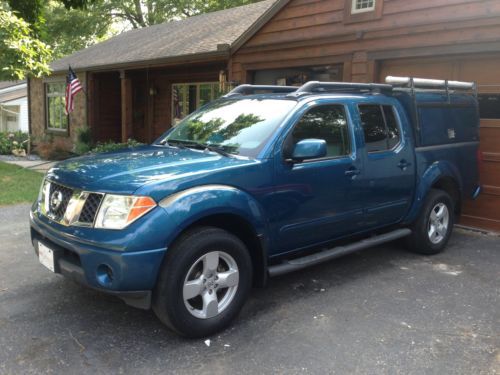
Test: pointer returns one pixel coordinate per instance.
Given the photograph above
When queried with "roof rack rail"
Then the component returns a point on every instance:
(251, 89)
(425, 83)
(325, 87)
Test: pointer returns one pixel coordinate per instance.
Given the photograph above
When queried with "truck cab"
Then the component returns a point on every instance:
(264, 181)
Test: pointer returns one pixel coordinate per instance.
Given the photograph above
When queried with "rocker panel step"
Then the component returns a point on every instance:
(326, 255)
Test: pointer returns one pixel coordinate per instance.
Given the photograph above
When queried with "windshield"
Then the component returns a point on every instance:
(239, 127)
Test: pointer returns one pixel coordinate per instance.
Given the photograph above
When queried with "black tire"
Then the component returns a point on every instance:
(168, 298)
(420, 239)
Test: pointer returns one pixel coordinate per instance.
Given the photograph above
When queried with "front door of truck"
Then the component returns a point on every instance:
(317, 200)
(389, 177)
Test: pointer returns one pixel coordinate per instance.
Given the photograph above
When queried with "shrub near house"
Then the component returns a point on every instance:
(16, 143)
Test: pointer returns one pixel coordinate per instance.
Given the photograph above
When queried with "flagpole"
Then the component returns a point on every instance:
(73, 86)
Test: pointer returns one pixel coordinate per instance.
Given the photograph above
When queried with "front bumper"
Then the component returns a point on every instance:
(133, 273)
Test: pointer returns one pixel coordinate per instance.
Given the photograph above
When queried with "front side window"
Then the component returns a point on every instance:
(327, 122)
(380, 127)
(238, 126)
(56, 117)
(360, 6)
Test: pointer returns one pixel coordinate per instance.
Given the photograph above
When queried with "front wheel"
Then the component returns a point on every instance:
(432, 229)
(204, 282)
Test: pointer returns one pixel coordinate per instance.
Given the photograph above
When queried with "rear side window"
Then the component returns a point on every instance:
(327, 122)
(380, 127)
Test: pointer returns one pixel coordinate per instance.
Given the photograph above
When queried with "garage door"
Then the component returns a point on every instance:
(485, 211)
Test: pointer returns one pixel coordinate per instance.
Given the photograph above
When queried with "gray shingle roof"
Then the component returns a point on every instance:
(191, 36)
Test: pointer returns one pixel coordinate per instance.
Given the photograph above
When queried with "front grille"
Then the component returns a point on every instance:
(69, 206)
(59, 197)
(90, 208)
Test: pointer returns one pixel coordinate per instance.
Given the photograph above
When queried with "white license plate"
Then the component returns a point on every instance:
(46, 256)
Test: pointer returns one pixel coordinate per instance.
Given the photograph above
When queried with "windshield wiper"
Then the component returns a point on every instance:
(218, 150)
(198, 146)
(172, 142)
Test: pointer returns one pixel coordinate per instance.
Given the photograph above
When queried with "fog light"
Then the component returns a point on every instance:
(105, 275)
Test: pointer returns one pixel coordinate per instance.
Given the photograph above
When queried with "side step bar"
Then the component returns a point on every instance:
(326, 255)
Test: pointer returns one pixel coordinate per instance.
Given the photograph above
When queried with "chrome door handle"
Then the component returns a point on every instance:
(352, 172)
(403, 164)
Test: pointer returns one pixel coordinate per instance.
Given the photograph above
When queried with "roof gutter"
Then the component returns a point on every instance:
(19, 86)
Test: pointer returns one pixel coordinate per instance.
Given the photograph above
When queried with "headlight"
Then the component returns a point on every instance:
(118, 211)
(40, 192)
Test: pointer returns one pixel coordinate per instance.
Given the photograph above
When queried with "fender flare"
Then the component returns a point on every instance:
(189, 206)
(435, 172)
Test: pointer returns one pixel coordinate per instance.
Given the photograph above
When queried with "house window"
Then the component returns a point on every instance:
(360, 6)
(56, 117)
(9, 116)
(188, 97)
(489, 106)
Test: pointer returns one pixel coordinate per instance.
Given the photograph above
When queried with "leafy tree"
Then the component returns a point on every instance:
(21, 53)
(77, 4)
(143, 13)
(60, 33)
(33, 32)
(28, 10)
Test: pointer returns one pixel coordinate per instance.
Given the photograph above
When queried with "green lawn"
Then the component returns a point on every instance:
(18, 185)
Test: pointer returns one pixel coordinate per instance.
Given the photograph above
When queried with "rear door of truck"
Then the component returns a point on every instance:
(389, 161)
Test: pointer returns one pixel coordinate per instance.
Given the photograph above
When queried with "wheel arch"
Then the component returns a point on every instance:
(451, 187)
(243, 229)
(440, 175)
(227, 208)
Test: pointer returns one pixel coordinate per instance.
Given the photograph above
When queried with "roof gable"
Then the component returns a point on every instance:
(204, 34)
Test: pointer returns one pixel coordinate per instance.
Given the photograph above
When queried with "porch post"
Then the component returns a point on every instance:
(91, 102)
(126, 106)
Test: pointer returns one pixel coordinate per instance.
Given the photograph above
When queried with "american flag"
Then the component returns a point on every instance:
(73, 87)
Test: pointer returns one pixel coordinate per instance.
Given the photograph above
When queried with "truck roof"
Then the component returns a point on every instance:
(452, 98)
(422, 90)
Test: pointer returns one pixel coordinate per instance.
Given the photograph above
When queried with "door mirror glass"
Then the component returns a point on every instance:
(309, 149)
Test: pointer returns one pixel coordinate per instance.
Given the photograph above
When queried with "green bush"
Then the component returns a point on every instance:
(112, 146)
(83, 141)
(85, 145)
(10, 141)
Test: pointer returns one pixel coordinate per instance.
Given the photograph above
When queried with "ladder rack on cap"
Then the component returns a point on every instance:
(425, 84)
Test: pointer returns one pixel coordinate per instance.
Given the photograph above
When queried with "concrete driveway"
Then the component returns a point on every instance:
(384, 311)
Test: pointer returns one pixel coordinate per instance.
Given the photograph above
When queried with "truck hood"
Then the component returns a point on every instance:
(125, 171)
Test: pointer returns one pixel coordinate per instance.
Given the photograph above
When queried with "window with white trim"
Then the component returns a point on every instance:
(360, 6)
(54, 103)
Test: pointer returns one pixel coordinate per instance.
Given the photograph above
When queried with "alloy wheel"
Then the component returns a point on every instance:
(210, 284)
(439, 221)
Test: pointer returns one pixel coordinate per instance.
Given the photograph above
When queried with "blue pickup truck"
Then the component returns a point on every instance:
(263, 181)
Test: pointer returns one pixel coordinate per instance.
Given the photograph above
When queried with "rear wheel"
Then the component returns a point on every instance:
(204, 282)
(432, 230)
